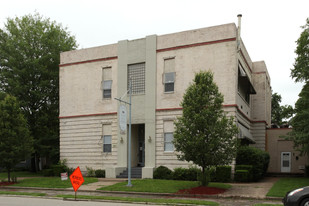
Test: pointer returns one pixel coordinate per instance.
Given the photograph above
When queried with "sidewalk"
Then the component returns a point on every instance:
(255, 191)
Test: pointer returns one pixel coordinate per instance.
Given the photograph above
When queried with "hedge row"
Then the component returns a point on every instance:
(218, 174)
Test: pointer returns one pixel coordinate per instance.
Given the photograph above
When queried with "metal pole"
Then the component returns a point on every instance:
(129, 163)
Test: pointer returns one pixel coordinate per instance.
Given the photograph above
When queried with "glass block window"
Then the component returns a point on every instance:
(136, 72)
(107, 143)
(107, 89)
(168, 142)
(169, 80)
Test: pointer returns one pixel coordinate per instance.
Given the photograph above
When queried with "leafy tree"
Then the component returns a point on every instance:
(300, 122)
(279, 113)
(15, 140)
(300, 72)
(30, 49)
(204, 134)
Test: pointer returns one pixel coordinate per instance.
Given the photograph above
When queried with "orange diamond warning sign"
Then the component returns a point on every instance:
(76, 179)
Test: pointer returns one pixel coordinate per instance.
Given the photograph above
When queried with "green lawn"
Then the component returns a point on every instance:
(133, 199)
(50, 182)
(282, 186)
(158, 186)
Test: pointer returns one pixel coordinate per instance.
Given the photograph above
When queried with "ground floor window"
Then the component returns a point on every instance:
(107, 143)
(168, 142)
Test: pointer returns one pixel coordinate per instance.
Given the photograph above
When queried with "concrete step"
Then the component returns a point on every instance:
(136, 172)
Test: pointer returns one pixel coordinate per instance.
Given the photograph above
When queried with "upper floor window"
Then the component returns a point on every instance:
(107, 82)
(136, 74)
(169, 74)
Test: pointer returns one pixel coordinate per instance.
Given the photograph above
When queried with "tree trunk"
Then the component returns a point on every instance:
(205, 179)
(9, 174)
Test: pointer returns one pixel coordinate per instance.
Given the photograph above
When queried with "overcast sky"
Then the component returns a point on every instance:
(269, 27)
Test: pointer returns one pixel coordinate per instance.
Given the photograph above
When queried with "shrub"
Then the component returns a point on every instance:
(100, 173)
(90, 172)
(223, 173)
(246, 167)
(162, 172)
(257, 158)
(57, 170)
(193, 173)
(48, 172)
(241, 176)
(180, 174)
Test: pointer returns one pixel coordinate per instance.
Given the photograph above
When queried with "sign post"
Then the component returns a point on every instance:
(76, 179)
(122, 125)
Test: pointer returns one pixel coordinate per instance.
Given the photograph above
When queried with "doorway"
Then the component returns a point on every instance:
(285, 161)
(138, 145)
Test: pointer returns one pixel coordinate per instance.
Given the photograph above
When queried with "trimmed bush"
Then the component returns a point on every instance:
(246, 167)
(257, 158)
(179, 174)
(57, 170)
(100, 173)
(193, 173)
(48, 172)
(163, 173)
(223, 173)
(241, 176)
(188, 174)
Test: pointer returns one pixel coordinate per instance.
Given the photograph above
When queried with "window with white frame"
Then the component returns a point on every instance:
(136, 73)
(107, 143)
(169, 80)
(107, 138)
(168, 136)
(169, 75)
(107, 83)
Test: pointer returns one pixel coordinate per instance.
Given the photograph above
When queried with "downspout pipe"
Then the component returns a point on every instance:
(238, 32)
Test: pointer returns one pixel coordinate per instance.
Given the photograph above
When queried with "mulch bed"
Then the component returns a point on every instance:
(6, 183)
(202, 190)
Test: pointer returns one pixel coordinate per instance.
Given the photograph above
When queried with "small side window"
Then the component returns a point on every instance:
(107, 89)
(168, 142)
(169, 81)
(107, 143)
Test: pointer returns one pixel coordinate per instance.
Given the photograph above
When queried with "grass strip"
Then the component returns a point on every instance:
(51, 182)
(22, 193)
(158, 186)
(283, 185)
(146, 200)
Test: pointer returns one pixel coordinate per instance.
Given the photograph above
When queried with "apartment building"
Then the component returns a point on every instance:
(159, 69)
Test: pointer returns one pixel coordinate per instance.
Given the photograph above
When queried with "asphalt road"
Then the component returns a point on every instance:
(35, 201)
(31, 201)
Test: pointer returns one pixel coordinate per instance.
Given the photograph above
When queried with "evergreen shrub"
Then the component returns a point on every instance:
(223, 173)
(241, 176)
(162, 172)
(248, 168)
(257, 158)
(100, 173)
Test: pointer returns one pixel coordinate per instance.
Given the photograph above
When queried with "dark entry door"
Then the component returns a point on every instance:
(141, 145)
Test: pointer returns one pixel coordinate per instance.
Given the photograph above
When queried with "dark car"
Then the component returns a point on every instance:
(297, 197)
